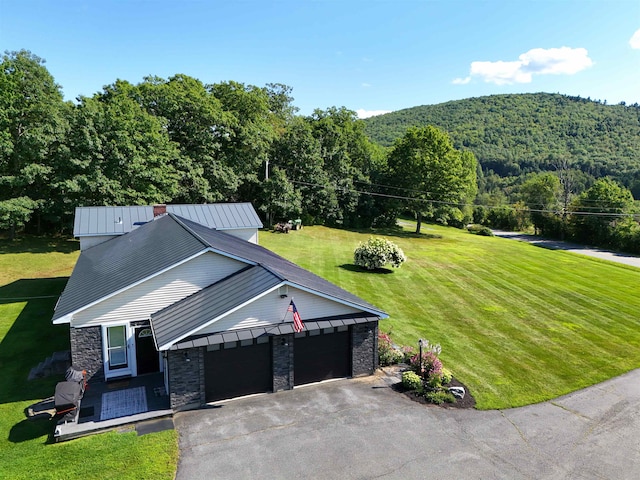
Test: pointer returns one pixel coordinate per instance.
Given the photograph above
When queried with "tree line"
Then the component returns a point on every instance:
(179, 140)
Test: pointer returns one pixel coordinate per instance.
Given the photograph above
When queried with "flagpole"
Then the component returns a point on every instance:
(287, 311)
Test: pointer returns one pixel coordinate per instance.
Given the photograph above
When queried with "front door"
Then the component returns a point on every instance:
(146, 354)
(116, 347)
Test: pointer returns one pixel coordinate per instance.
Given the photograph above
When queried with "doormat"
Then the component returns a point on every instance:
(123, 403)
(86, 412)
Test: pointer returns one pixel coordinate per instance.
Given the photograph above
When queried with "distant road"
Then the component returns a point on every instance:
(618, 257)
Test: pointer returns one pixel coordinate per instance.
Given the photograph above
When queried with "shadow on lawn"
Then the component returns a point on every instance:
(30, 339)
(30, 244)
(31, 429)
(355, 268)
(394, 232)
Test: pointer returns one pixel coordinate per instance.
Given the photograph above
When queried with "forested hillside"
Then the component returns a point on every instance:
(180, 140)
(517, 134)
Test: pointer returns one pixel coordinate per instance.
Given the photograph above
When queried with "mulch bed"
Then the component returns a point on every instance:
(467, 402)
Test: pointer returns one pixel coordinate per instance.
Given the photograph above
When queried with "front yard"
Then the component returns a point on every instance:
(32, 275)
(518, 324)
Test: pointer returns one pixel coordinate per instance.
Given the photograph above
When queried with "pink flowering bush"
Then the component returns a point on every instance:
(388, 353)
(430, 366)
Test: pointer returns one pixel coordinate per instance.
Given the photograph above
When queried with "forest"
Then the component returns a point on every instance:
(565, 165)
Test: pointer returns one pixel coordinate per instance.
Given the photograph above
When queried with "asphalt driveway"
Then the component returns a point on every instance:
(618, 257)
(361, 429)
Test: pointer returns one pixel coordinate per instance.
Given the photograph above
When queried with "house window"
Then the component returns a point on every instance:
(145, 332)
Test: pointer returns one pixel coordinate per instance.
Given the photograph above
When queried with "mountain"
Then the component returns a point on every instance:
(520, 133)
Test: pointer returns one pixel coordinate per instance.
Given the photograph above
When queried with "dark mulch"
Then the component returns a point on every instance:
(467, 402)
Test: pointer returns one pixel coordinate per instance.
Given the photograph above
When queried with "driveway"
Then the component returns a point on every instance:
(361, 429)
(618, 257)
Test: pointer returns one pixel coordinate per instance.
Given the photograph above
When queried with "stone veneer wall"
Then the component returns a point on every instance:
(282, 355)
(186, 379)
(86, 351)
(364, 348)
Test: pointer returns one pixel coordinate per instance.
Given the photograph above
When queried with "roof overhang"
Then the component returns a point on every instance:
(271, 330)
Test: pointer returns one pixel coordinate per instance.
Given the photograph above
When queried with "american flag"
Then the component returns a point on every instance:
(298, 326)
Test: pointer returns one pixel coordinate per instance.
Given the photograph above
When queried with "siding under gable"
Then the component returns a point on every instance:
(138, 302)
(271, 309)
(248, 234)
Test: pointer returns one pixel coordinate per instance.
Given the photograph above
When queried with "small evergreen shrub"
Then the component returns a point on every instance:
(378, 252)
(411, 380)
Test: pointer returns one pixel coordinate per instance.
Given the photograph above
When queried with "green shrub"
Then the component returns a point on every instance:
(438, 397)
(446, 376)
(411, 380)
(377, 253)
(480, 230)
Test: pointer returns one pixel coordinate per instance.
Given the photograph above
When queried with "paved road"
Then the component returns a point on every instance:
(361, 429)
(618, 257)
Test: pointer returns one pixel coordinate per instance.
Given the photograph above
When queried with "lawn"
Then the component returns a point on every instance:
(32, 274)
(518, 324)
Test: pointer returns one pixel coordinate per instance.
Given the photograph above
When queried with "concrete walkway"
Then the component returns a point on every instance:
(618, 257)
(361, 429)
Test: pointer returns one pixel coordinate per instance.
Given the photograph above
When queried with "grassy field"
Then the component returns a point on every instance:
(518, 324)
(32, 274)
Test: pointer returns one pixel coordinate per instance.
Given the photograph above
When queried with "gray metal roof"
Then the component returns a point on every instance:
(282, 267)
(118, 220)
(210, 303)
(121, 262)
(277, 329)
(108, 220)
(221, 216)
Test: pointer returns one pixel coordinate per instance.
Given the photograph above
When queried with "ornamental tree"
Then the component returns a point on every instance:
(378, 252)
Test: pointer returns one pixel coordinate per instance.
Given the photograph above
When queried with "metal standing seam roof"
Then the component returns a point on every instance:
(125, 260)
(282, 267)
(93, 221)
(119, 263)
(210, 303)
(118, 220)
(275, 329)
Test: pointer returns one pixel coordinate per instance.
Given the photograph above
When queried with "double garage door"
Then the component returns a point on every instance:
(242, 369)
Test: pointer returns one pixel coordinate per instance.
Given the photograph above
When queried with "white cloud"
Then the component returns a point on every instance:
(634, 41)
(362, 113)
(366, 85)
(461, 81)
(537, 61)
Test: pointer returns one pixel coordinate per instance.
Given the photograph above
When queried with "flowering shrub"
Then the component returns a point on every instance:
(430, 366)
(388, 354)
(378, 252)
(407, 353)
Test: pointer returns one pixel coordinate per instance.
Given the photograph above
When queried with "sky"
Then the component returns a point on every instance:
(371, 56)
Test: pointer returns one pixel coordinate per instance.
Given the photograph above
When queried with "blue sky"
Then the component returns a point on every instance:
(365, 55)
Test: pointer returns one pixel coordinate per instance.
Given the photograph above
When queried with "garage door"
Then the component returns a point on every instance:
(237, 370)
(321, 357)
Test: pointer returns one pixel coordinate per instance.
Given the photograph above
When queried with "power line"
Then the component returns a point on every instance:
(460, 204)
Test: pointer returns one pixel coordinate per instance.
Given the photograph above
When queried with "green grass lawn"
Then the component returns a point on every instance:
(33, 272)
(518, 324)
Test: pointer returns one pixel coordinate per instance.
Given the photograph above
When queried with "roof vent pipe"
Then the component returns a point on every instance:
(160, 209)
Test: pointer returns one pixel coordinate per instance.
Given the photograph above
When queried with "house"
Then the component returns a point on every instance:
(210, 311)
(94, 225)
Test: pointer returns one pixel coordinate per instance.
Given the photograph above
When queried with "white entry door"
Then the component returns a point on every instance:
(117, 350)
